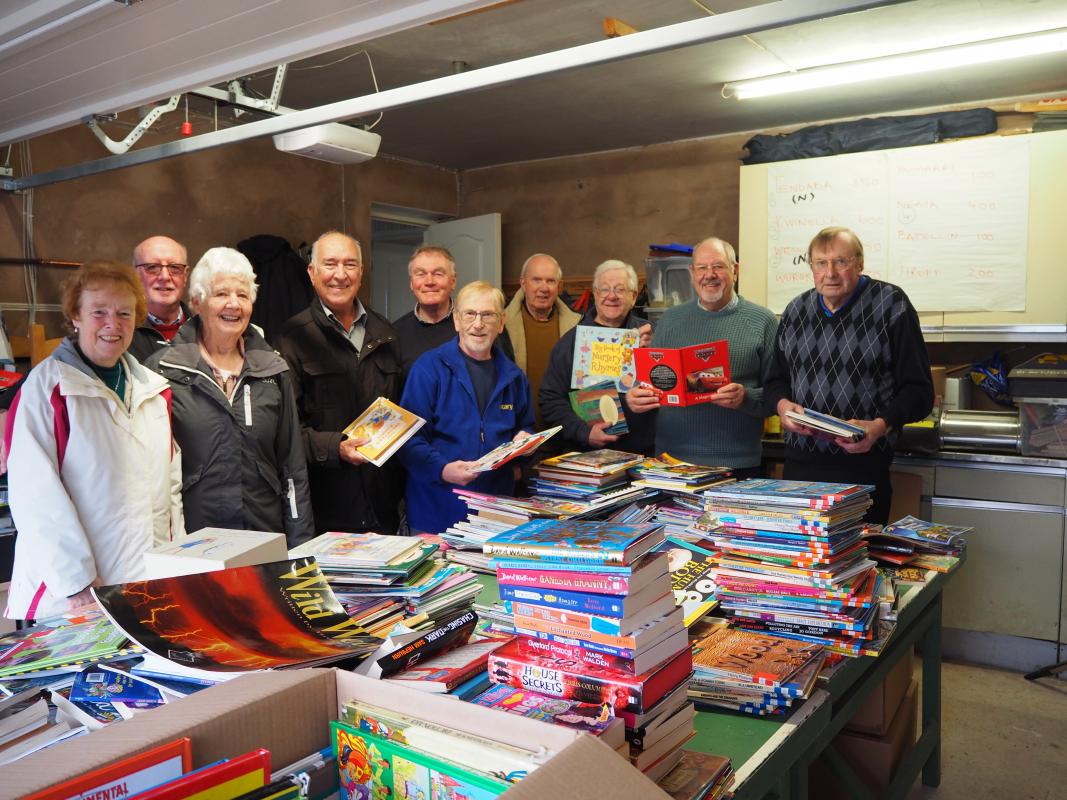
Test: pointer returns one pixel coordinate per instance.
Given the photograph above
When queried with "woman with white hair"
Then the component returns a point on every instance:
(235, 417)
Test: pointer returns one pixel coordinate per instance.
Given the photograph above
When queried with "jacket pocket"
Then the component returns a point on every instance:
(270, 476)
(326, 387)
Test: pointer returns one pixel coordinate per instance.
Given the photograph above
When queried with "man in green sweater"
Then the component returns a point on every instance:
(727, 430)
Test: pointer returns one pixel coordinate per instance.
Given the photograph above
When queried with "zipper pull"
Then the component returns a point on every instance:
(248, 406)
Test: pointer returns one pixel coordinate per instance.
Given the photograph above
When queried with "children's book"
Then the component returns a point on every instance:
(228, 778)
(692, 577)
(827, 424)
(684, 376)
(387, 426)
(598, 403)
(751, 657)
(445, 672)
(604, 354)
(514, 666)
(450, 632)
(513, 449)
(339, 549)
(576, 541)
(372, 766)
(45, 647)
(942, 536)
(98, 683)
(597, 719)
(269, 616)
(127, 776)
(211, 549)
(818, 495)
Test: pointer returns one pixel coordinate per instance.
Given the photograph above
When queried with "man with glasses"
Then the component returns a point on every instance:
(162, 265)
(851, 347)
(536, 319)
(473, 399)
(343, 356)
(432, 272)
(727, 430)
(614, 292)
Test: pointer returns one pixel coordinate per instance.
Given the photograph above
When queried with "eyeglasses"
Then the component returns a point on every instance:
(487, 317)
(618, 291)
(824, 264)
(718, 268)
(349, 265)
(155, 269)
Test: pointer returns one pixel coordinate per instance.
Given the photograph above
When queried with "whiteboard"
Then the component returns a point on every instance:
(946, 222)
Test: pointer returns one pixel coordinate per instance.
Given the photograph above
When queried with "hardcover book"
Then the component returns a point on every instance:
(606, 605)
(560, 677)
(586, 657)
(650, 571)
(268, 616)
(597, 719)
(827, 424)
(634, 641)
(576, 541)
(684, 376)
(372, 766)
(127, 776)
(387, 426)
(45, 647)
(445, 672)
(594, 623)
(600, 403)
(602, 354)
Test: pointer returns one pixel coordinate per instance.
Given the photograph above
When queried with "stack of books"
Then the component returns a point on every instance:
(490, 514)
(670, 474)
(792, 561)
(915, 543)
(595, 477)
(751, 672)
(596, 623)
(679, 515)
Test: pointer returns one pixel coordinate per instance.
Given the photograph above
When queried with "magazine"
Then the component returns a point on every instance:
(513, 449)
(604, 354)
(387, 426)
(269, 616)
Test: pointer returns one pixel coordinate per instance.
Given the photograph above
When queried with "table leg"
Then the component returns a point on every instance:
(931, 712)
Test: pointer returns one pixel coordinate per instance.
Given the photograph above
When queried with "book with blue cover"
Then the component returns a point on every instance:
(576, 541)
(818, 495)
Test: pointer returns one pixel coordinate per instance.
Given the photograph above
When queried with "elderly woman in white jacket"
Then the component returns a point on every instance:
(94, 477)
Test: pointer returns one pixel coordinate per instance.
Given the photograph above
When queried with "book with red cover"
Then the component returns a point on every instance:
(223, 780)
(445, 672)
(561, 677)
(632, 664)
(685, 376)
(599, 720)
(126, 776)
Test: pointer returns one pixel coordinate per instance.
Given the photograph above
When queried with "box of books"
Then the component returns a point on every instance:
(288, 713)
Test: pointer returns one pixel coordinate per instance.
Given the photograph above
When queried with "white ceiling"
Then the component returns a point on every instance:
(644, 100)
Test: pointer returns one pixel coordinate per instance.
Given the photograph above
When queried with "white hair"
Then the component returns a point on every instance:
(353, 239)
(612, 264)
(220, 262)
(526, 263)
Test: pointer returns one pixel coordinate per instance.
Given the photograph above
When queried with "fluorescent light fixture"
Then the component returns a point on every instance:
(904, 64)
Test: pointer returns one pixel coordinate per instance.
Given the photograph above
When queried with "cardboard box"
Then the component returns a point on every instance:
(288, 712)
(873, 758)
(879, 710)
(210, 549)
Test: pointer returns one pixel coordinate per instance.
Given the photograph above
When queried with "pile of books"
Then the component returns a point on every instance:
(792, 561)
(751, 672)
(670, 474)
(490, 514)
(382, 580)
(597, 627)
(915, 543)
(596, 477)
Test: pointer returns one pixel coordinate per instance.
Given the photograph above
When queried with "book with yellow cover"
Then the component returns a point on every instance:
(387, 426)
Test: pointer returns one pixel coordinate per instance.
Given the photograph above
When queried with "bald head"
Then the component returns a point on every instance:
(162, 265)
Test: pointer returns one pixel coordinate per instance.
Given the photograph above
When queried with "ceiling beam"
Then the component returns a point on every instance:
(706, 29)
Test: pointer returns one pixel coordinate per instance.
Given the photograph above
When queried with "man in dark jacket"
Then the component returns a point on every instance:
(432, 271)
(343, 356)
(614, 291)
(163, 267)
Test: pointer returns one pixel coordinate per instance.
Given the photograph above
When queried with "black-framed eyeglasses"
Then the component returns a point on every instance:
(155, 269)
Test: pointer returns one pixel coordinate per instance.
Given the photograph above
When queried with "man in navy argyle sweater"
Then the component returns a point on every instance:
(851, 347)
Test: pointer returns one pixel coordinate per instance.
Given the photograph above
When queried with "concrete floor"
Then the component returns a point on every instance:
(1003, 737)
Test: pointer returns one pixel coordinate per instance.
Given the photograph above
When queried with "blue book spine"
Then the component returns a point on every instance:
(558, 566)
(604, 605)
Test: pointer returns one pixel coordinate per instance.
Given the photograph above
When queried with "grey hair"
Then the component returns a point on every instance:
(220, 262)
(353, 239)
(722, 244)
(433, 250)
(526, 263)
(614, 263)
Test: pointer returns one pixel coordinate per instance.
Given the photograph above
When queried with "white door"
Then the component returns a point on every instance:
(475, 244)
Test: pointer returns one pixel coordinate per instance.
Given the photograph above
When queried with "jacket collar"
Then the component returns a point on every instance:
(379, 331)
(632, 320)
(78, 377)
(261, 361)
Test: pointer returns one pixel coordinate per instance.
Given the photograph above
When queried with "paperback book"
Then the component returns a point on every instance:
(596, 719)
(826, 424)
(684, 376)
(604, 354)
(510, 450)
(387, 426)
(66, 646)
(576, 541)
(601, 403)
(445, 672)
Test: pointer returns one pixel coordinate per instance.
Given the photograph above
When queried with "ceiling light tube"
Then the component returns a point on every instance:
(904, 64)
